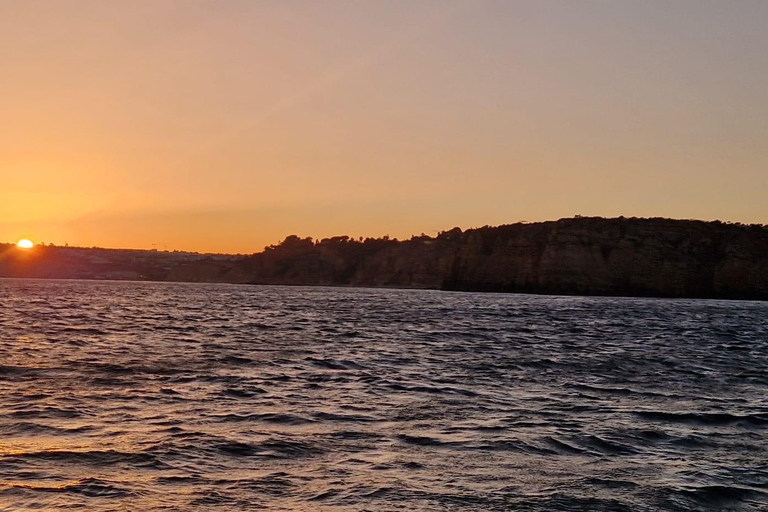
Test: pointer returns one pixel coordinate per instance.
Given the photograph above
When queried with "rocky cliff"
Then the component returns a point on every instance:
(638, 257)
(585, 256)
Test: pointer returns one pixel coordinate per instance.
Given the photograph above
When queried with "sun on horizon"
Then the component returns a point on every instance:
(25, 243)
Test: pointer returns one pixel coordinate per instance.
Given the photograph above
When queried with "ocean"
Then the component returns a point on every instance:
(164, 396)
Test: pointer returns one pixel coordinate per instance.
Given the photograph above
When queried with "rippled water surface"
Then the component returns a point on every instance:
(152, 396)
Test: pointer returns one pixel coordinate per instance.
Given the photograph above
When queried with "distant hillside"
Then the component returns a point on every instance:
(121, 264)
(584, 256)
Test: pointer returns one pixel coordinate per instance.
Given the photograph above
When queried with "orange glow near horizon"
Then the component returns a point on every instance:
(226, 126)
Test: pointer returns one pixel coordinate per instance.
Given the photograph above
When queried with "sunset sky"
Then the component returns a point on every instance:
(225, 125)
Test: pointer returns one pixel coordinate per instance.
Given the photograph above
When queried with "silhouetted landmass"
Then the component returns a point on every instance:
(54, 262)
(584, 256)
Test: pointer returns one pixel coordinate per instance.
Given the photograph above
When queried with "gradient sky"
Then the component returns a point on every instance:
(225, 125)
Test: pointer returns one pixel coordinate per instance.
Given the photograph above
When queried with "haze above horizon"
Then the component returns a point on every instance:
(224, 126)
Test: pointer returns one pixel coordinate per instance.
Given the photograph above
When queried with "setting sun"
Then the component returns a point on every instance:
(25, 244)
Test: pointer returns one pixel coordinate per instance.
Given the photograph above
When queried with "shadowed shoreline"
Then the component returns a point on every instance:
(576, 256)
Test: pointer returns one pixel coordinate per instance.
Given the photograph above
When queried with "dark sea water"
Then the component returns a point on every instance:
(152, 396)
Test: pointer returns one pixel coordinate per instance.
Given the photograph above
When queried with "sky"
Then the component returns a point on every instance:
(223, 126)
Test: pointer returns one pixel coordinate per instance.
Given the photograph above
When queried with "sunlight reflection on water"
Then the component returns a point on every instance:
(153, 396)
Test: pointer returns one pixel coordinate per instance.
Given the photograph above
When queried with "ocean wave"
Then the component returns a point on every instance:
(705, 418)
(152, 397)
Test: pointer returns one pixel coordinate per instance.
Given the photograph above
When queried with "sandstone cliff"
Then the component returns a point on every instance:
(586, 256)
(656, 257)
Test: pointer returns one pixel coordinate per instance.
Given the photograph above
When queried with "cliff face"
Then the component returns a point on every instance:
(413, 264)
(656, 257)
(585, 256)
(418, 263)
